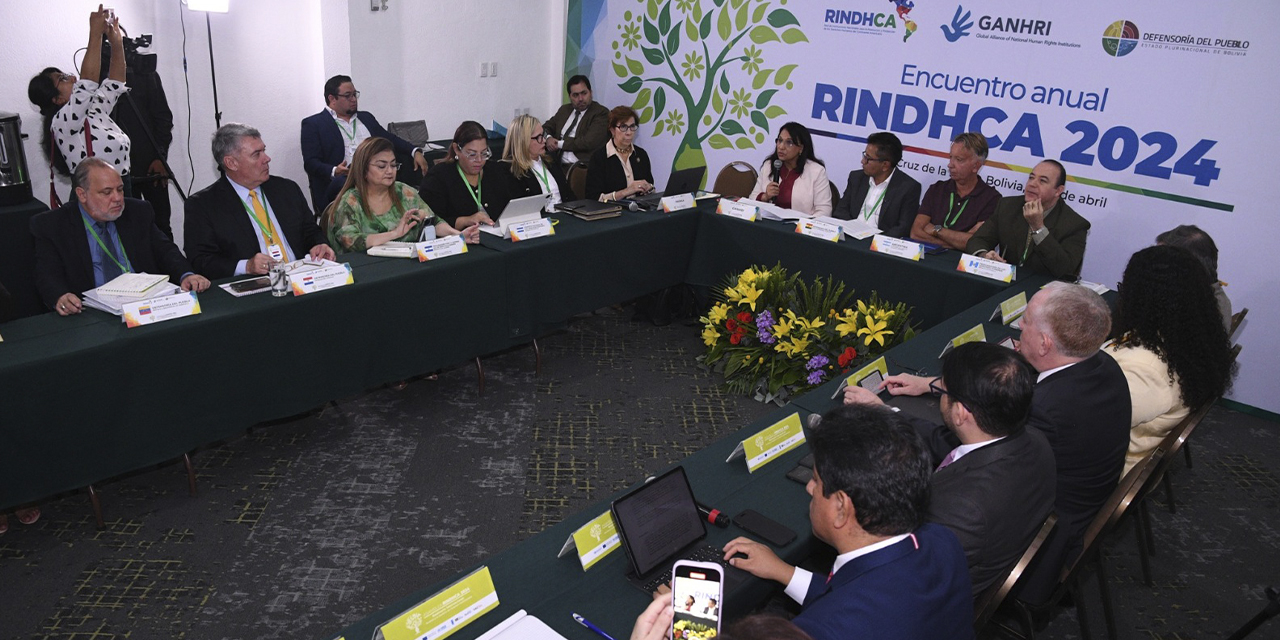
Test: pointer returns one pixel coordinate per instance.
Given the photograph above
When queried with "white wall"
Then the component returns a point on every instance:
(418, 60)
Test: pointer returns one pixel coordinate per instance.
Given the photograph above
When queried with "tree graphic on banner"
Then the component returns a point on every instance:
(726, 95)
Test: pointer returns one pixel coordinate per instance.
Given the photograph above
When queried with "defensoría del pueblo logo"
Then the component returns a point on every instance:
(1120, 38)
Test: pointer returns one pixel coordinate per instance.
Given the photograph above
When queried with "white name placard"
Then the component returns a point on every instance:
(313, 280)
(1001, 271)
(820, 229)
(178, 305)
(678, 203)
(441, 248)
(897, 247)
(529, 230)
(739, 210)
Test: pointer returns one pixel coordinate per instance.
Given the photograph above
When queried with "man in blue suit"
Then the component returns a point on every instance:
(895, 578)
(331, 136)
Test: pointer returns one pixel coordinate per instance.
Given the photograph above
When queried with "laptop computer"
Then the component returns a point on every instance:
(683, 181)
(659, 523)
(519, 210)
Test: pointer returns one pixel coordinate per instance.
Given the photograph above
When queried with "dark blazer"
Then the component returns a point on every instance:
(1084, 411)
(450, 198)
(898, 209)
(994, 498)
(605, 175)
(323, 149)
(896, 593)
(531, 185)
(219, 233)
(64, 264)
(591, 134)
(1060, 255)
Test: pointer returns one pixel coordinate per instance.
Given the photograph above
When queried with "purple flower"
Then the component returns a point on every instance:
(764, 321)
(816, 363)
(815, 377)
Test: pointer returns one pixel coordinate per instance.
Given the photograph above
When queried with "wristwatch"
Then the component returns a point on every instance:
(937, 229)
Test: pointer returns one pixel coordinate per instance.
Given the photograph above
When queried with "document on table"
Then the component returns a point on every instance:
(522, 626)
(771, 211)
(114, 304)
(858, 228)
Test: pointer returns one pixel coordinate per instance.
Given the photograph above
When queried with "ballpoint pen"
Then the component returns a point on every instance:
(584, 622)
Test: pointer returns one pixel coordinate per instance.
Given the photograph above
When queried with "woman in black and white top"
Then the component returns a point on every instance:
(68, 104)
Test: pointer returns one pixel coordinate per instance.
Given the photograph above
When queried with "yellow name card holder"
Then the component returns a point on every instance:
(976, 334)
(446, 612)
(770, 442)
(593, 541)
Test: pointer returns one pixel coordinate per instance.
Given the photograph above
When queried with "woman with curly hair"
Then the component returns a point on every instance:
(1171, 344)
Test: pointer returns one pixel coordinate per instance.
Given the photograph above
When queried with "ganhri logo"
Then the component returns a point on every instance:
(1120, 38)
(961, 23)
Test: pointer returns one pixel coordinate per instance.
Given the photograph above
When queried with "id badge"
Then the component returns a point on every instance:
(275, 252)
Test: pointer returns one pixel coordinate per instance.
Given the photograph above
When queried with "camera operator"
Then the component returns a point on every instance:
(77, 112)
(145, 117)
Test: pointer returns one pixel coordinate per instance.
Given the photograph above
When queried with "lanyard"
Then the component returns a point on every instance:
(543, 177)
(866, 215)
(125, 268)
(354, 123)
(952, 218)
(266, 232)
(477, 193)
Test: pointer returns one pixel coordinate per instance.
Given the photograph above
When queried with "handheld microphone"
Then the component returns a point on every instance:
(632, 205)
(777, 168)
(714, 516)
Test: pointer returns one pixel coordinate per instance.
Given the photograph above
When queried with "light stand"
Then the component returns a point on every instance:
(211, 6)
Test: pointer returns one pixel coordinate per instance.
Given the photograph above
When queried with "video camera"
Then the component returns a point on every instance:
(134, 62)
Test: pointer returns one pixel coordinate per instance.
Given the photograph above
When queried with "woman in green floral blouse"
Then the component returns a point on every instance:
(373, 209)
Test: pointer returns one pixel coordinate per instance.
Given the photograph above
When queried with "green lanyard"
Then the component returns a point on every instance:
(477, 193)
(354, 123)
(867, 215)
(952, 218)
(124, 268)
(544, 179)
(266, 232)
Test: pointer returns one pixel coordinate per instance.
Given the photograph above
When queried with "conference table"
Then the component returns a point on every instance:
(86, 399)
(531, 577)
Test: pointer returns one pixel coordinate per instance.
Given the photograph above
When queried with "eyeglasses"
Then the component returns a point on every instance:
(867, 158)
(383, 166)
(65, 77)
(348, 96)
(541, 137)
(936, 388)
(788, 142)
(471, 155)
(627, 128)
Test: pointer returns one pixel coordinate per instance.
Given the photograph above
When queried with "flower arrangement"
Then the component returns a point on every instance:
(774, 335)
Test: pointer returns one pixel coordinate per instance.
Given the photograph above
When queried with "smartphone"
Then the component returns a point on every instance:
(249, 286)
(872, 381)
(697, 594)
(774, 532)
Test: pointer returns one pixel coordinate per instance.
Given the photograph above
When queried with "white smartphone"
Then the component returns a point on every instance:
(697, 594)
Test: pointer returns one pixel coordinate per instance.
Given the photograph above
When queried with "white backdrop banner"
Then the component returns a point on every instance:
(1152, 106)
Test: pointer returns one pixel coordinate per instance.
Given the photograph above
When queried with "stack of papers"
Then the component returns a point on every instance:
(857, 228)
(770, 211)
(130, 287)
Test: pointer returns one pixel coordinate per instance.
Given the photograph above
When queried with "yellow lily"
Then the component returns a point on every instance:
(792, 347)
(784, 324)
(710, 336)
(748, 294)
(810, 326)
(718, 313)
(875, 330)
(731, 294)
(848, 323)
(748, 277)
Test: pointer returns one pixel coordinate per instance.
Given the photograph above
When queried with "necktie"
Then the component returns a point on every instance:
(110, 270)
(951, 457)
(263, 221)
(572, 123)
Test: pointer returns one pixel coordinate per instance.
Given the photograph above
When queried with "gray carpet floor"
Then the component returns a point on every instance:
(304, 526)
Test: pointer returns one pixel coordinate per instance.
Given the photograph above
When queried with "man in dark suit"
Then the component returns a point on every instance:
(895, 577)
(994, 484)
(85, 244)
(249, 219)
(579, 128)
(331, 136)
(1036, 231)
(878, 193)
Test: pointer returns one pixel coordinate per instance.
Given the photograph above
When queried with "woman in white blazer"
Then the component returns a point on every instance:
(800, 180)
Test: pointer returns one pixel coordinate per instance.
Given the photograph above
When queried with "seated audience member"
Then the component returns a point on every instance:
(531, 172)
(994, 483)
(249, 219)
(467, 188)
(1037, 230)
(1201, 245)
(621, 169)
(330, 139)
(374, 209)
(1171, 344)
(896, 577)
(878, 193)
(580, 128)
(955, 208)
(800, 181)
(88, 243)
(71, 106)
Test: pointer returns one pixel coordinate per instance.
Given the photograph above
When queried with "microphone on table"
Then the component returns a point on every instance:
(714, 516)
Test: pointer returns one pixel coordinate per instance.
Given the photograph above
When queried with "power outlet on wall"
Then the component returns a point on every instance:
(484, 69)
